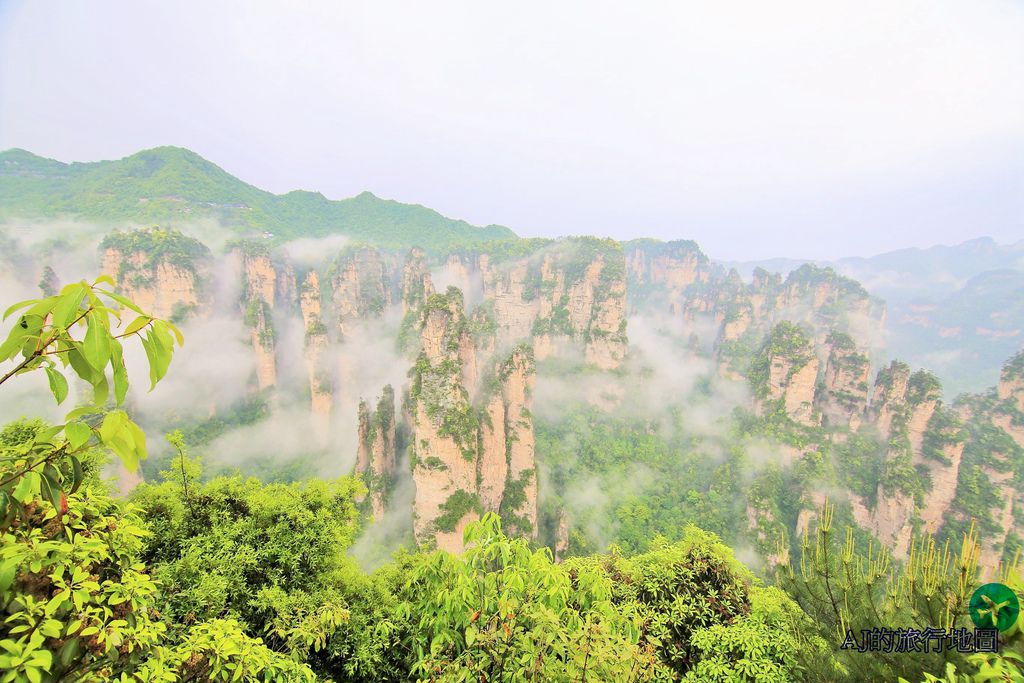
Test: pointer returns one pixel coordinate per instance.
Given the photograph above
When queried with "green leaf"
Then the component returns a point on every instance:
(96, 346)
(124, 301)
(50, 489)
(81, 366)
(77, 475)
(43, 307)
(105, 278)
(120, 372)
(139, 437)
(12, 344)
(8, 568)
(152, 351)
(82, 410)
(27, 487)
(177, 333)
(58, 384)
(137, 324)
(113, 423)
(18, 306)
(158, 349)
(125, 450)
(68, 307)
(78, 434)
(100, 390)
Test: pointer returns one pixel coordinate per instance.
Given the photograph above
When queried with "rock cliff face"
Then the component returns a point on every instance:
(572, 296)
(375, 456)
(805, 343)
(316, 356)
(921, 467)
(1004, 448)
(843, 397)
(259, 297)
(665, 272)
(785, 373)
(416, 283)
(361, 286)
(163, 271)
(732, 317)
(469, 457)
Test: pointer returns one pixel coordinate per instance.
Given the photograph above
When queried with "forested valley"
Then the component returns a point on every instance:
(256, 437)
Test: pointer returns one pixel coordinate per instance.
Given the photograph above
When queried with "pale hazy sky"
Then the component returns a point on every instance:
(814, 128)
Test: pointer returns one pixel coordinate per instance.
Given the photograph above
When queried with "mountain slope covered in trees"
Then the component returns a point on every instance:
(174, 186)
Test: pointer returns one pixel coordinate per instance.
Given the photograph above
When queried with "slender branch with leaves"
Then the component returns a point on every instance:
(79, 330)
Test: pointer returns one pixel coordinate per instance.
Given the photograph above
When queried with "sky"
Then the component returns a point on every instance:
(794, 128)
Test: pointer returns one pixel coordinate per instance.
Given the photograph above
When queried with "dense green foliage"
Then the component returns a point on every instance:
(173, 186)
(847, 591)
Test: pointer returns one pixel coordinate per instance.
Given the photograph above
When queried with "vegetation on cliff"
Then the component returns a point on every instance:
(174, 186)
(219, 577)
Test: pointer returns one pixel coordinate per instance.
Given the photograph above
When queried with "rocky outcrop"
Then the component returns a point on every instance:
(922, 461)
(569, 296)
(361, 285)
(162, 271)
(843, 396)
(890, 396)
(938, 453)
(375, 454)
(469, 456)
(732, 317)
(1010, 389)
(785, 373)
(664, 272)
(316, 356)
(519, 499)
(260, 293)
(445, 428)
(416, 282)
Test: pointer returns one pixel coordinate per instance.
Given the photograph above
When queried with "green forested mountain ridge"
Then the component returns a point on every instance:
(173, 186)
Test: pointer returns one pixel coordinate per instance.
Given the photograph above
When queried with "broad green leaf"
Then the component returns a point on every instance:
(100, 390)
(12, 344)
(120, 372)
(137, 324)
(8, 569)
(139, 437)
(124, 301)
(152, 352)
(18, 306)
(96, 346)
(124, 448)
(81, 366)
(43, 307)
(113, 423)
(105, 278)
(58, 384)
(77, 474)
(78, 434)
(27, 487)
(69, 307)
(82, 410)
(49, 487)
(46, 436)
(177, 333)
(159, 349)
